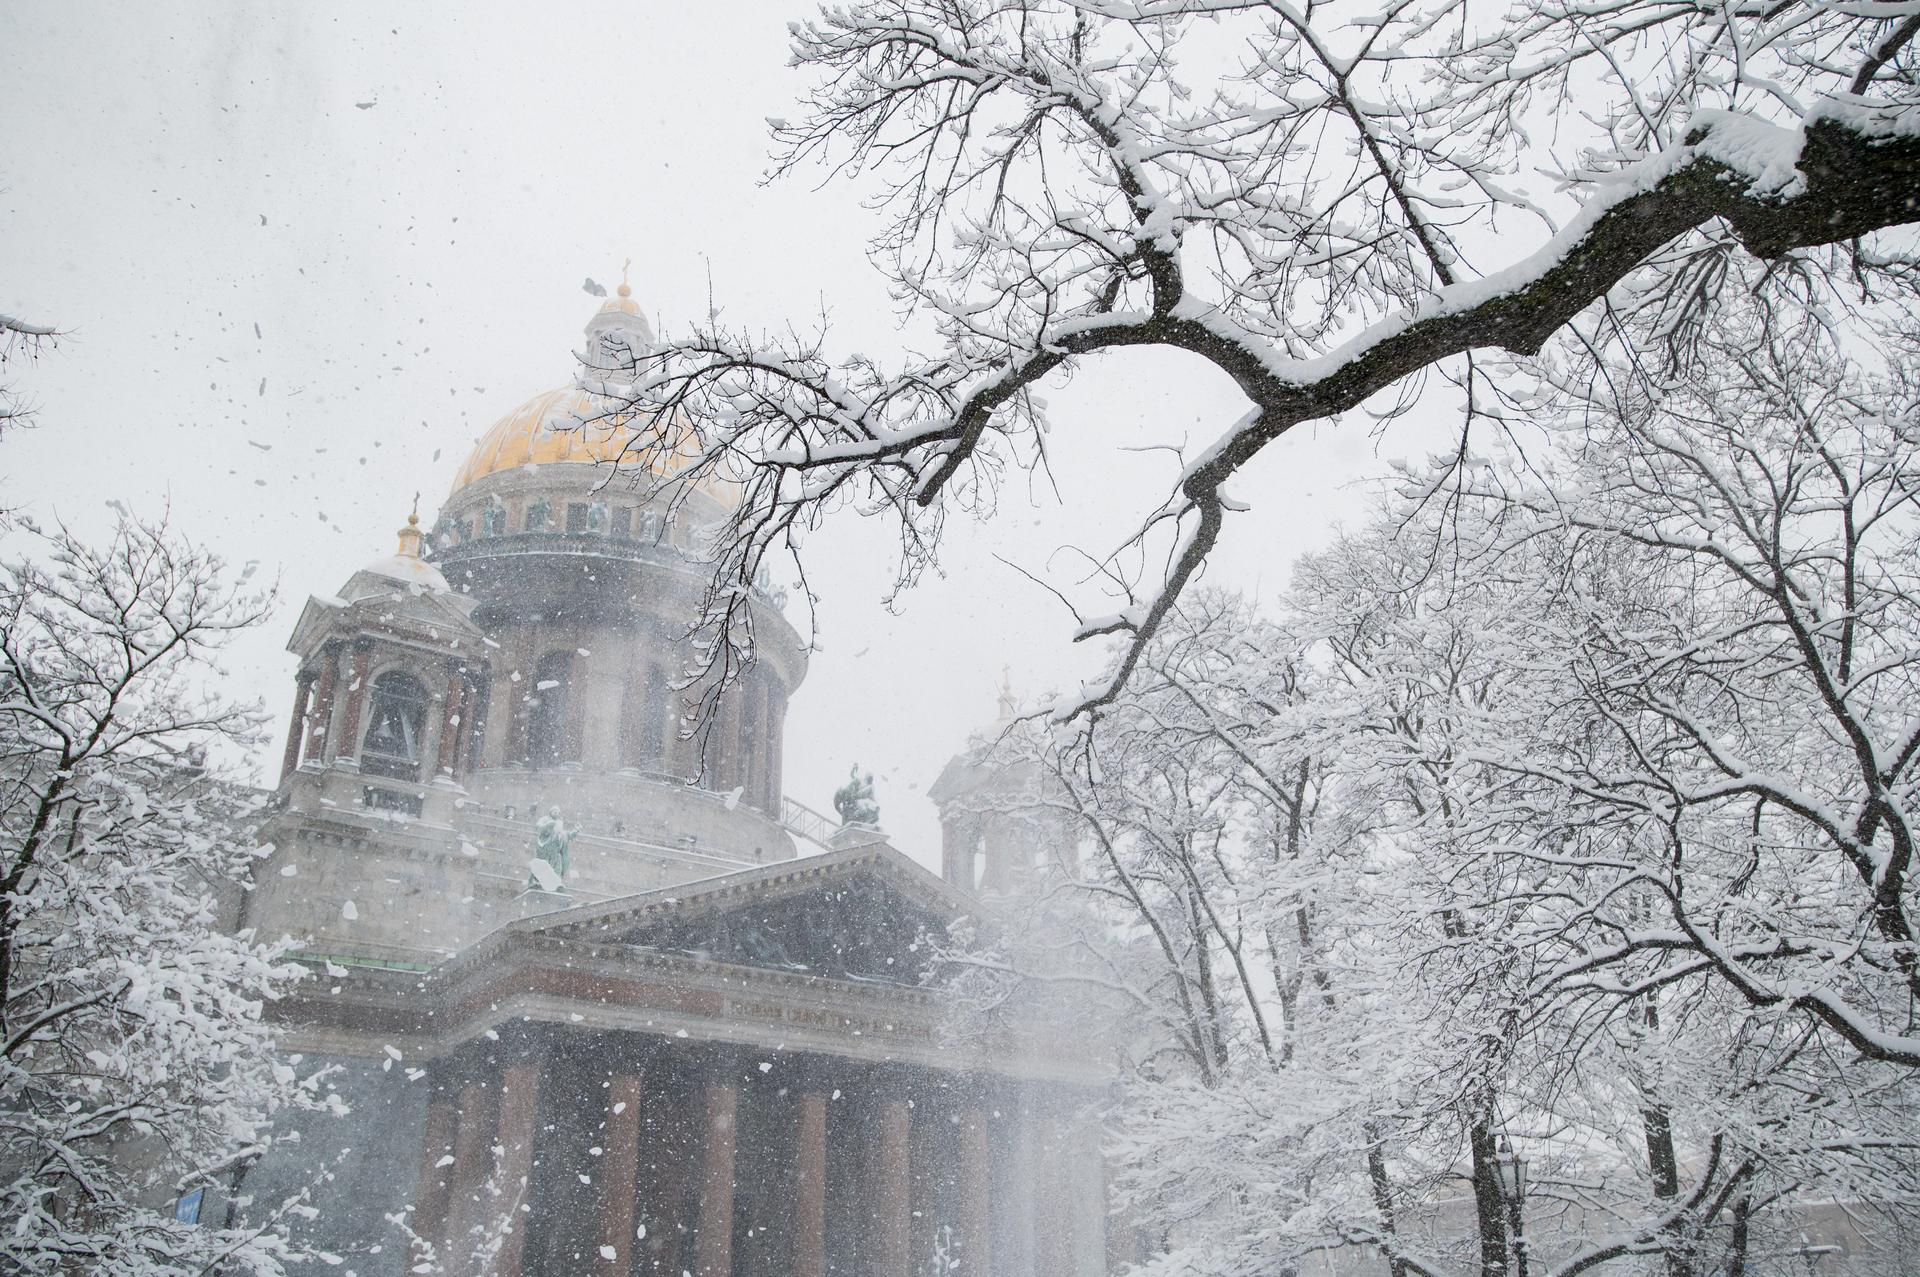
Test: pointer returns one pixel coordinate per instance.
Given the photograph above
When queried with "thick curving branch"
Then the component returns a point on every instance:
(808, 430)
(1853, 181)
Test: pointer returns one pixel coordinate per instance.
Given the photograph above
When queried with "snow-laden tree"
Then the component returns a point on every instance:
(19, 339)
(134, 1062)
(1660, 1123)
(1261, 962)
(1321, 204)
(1733, 760)
(1717, 772)
(1564, 801)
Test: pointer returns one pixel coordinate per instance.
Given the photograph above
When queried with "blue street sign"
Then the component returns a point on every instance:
(187, 1209)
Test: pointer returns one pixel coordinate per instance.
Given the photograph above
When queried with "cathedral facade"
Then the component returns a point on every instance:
(598, 996)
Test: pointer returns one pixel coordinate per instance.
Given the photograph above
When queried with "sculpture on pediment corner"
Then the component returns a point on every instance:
(855, 802)
(762, 947)
(552, 843)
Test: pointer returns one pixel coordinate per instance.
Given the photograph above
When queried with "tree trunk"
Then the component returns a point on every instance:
(1489, 1205)
(1383, 1195)
(1664, 1165)
(1737, 1244)
(1666, 1185)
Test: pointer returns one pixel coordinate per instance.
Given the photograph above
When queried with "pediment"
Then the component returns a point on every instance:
(866, 913)
(444, 619)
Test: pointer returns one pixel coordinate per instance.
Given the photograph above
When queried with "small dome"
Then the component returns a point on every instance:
(404, 565)
(627, 311)
(409, 570)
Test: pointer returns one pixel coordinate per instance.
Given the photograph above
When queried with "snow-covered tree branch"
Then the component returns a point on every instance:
(1320, 207)
(19, 338)
(1740, 615)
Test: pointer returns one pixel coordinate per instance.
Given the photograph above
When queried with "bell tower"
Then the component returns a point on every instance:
(392, 675)
(1001, 835)
(391, 689)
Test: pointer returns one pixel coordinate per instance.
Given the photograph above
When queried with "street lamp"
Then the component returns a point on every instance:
(1510, 1169)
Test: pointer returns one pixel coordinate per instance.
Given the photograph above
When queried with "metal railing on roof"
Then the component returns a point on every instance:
(803, 821)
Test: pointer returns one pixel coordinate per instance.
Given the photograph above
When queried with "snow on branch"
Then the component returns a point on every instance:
(1297, 214)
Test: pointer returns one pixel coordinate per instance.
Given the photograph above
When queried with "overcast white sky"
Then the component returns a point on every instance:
(306, 254)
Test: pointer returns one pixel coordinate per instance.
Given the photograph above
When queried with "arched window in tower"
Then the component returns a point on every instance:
(547, 743)
(396, 720)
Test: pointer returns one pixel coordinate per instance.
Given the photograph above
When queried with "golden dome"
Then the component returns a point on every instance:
(578, 426)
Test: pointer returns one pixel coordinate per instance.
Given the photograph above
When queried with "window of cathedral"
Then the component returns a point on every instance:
(397, 715)
(747, 766)
(538, 513)
(776, 716)
(643, 735)
(577, 517)
(547, 735)
(391, 800)
(476, 727)
(655, 712)
(623, 522)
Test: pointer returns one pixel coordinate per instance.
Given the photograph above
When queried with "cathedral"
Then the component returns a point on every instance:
(599, 998)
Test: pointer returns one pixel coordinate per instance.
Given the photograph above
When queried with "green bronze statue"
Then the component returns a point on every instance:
(552, 838)
(854, 800)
